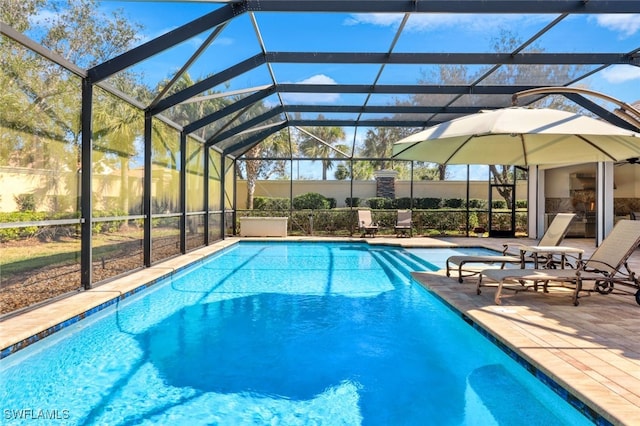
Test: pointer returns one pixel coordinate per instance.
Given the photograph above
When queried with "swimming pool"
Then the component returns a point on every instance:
(279, 333)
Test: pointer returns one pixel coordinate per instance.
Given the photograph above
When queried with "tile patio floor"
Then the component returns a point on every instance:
(593, 349)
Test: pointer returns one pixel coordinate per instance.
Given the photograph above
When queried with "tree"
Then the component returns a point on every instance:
(117, 126)
(273, 146)
(342, 172)
(42, 127)
(319, 141)
(378, 143)
(428, 171)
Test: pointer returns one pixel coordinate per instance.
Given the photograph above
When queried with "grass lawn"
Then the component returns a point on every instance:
(21, 256)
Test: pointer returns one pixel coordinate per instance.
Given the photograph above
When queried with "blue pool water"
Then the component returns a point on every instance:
(280, 333)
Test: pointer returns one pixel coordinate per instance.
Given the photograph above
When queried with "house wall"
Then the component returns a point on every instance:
(560, 181)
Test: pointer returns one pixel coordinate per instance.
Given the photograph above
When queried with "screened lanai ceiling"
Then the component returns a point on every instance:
(275, 65)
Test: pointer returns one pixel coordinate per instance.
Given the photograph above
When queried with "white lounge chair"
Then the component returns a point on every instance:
(552, 237)
(604, 267)
(366, 224)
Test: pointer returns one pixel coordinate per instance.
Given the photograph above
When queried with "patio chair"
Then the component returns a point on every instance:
(604, 267)
(635, 215)
(553, 236)
(404, 223)
(366, 224)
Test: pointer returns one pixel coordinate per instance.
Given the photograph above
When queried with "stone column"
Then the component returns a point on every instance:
(386, 183)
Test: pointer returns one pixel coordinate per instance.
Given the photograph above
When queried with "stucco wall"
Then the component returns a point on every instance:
(341, 190)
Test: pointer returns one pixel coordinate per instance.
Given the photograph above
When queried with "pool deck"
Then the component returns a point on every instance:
(592, 350)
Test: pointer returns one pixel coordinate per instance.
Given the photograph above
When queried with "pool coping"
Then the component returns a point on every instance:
(21, 331)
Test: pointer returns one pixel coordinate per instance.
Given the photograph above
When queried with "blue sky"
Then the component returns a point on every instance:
(375, 32)
(372, 33)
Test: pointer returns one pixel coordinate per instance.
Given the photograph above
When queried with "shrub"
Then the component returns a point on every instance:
(429, 203)
(521, 204)
(108, 226)
(378, 203)
(310, 200)
(476, 203)
(270, 203)
(25, 202)
(403, 203)
(454, 203)
(473, 220)
(499, 204)
(7, 234)
(332, 202)
(352, 201)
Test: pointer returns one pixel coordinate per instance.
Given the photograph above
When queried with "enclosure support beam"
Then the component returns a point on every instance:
(223, 219)
(183, 192)
(468, 191)
(535, 202)
(146, 197)
(86, 205)
(234, 202)
(205, 186)
(164, 42)
(604, 200)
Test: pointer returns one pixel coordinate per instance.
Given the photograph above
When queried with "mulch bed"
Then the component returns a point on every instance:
(39, 285)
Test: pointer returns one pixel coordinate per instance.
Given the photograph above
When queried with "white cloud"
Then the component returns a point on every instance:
(318, 79)
(307, 98)
(626, 24)
(432, 22)
(377, 19)
(621, 73)
(223, 41)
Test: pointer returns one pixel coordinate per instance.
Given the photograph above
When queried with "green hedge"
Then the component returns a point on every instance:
(270, 203)
(310, 200)
(352, 201)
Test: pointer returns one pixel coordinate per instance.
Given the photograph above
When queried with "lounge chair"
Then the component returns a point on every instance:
(635, 215)
(552, 237)
(604, 267)
(366, 224)
(404, 223)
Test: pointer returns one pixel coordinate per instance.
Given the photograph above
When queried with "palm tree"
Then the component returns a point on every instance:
(116, 126)
(319, 141)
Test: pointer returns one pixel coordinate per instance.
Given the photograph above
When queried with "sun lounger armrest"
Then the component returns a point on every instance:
(592, 266)
(505, 250)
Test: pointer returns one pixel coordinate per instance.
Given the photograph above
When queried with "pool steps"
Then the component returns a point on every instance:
(401, 263)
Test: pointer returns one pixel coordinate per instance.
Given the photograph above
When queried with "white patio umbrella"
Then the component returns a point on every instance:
(520, 136)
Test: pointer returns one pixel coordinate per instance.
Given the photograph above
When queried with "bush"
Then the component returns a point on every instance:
(473, 220)
(476, 203)
(310, 200)
(352, 201)
(454, 203)
(108, 226)
(332, 202)
(7, 234)
(25, 202)
(499, 204)
(379, 203)
(403, 203)
(428, 203)
(521, 204)
(270, 203)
